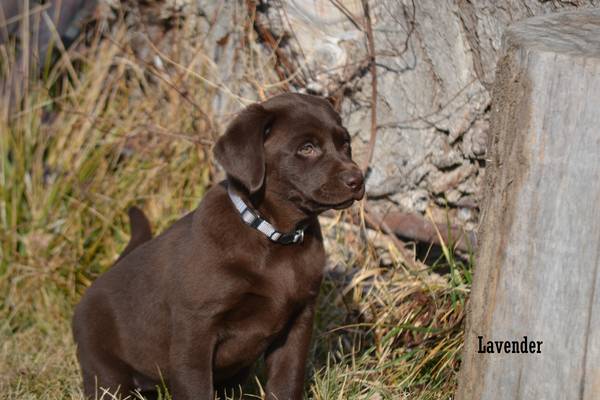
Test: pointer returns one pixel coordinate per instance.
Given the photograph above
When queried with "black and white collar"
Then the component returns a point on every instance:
(252, 219)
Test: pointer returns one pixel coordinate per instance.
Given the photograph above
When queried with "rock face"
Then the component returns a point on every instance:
(435, 65)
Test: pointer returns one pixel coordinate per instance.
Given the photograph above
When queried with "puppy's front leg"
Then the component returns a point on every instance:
(191, 361)
(286, 358)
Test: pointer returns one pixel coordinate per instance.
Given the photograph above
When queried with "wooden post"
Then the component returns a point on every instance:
(537, 272)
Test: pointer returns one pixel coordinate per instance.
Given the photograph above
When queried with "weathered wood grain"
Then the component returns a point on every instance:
(539, 257)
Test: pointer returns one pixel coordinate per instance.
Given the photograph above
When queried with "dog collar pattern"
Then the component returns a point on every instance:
(254, 220)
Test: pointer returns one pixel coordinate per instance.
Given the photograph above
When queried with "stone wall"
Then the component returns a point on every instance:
(435, 66)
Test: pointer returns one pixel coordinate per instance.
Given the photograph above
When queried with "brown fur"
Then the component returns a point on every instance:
(200, 303)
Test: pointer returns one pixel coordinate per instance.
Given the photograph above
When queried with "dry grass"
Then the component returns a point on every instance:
(103, 130)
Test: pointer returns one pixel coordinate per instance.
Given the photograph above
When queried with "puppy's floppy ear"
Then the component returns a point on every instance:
(240, 151)
(335, 101)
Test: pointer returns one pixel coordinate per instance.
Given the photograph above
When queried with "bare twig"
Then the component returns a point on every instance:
(351, 17)
(373, 66)
(371, 218)
(284, 67)
(378, 223)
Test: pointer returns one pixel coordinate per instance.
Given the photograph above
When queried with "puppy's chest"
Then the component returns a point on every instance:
(269, 302)
(250, 327)
(264, 312)
(289, 278)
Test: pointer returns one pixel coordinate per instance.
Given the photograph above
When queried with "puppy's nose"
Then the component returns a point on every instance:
(353, 179)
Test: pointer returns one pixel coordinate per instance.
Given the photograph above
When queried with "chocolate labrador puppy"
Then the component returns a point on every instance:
(233, 280)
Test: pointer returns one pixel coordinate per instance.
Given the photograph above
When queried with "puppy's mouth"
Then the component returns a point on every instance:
(322, 200)
(336, 206)
(328, 204)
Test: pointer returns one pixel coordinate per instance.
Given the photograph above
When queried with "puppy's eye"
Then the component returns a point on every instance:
(308, 150)
(346, 147)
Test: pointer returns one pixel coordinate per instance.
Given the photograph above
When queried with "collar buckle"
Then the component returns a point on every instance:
(299, 236)
(291, 238)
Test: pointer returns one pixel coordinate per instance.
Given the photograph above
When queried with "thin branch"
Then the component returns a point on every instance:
(378, 223)
(373, 67)
(284, 68)
(351, 17)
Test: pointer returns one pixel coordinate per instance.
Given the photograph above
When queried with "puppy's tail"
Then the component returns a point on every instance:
(140, 230)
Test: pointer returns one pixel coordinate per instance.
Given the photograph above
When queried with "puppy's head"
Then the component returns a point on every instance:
(295, 146)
